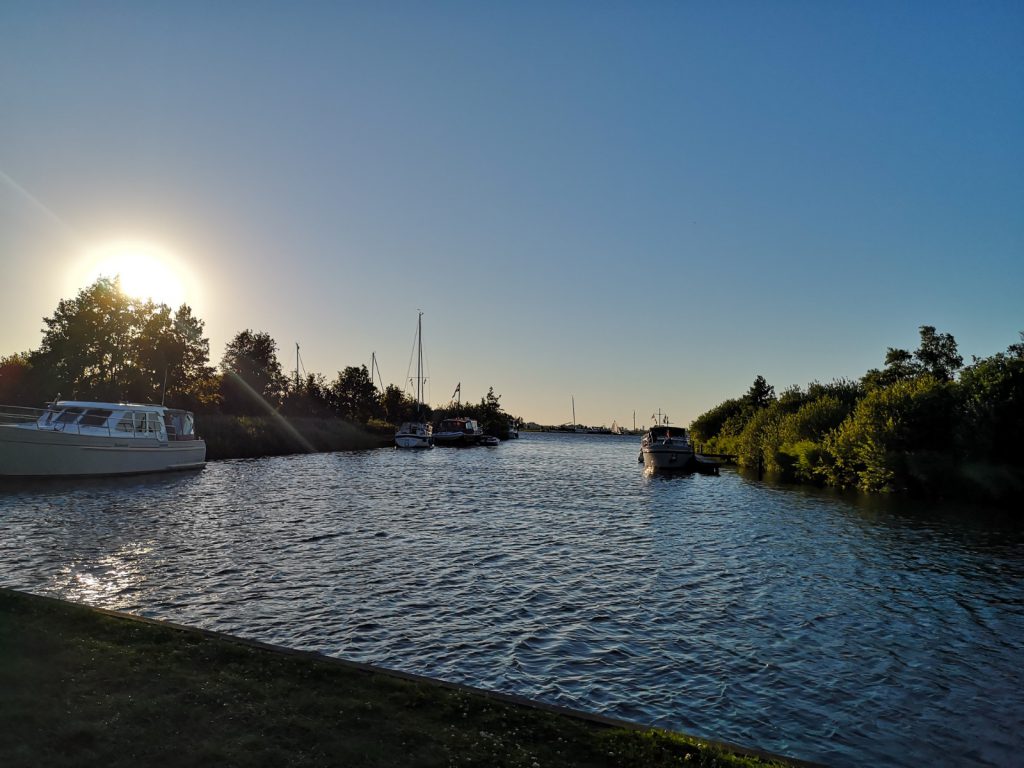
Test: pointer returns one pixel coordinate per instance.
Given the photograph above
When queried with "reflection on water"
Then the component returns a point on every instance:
(806, 622)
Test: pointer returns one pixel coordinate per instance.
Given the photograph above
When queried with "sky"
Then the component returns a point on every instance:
(630, 206)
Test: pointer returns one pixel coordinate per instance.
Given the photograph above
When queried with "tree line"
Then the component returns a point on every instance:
(104, 345)
(924, 423)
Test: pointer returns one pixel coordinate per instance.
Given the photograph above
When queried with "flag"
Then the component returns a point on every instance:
(458, 390)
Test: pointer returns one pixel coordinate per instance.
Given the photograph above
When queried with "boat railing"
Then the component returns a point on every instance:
(16, 414)
(25, 417)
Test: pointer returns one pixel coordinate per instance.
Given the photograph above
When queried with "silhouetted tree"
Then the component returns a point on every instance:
(108, 346)
(252, 378)
(761, 393)
(354, 395)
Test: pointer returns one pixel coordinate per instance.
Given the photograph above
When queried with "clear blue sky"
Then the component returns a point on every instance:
(642, 205)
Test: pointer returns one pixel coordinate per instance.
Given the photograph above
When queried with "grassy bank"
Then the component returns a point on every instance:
(82, 687)
(242, 437)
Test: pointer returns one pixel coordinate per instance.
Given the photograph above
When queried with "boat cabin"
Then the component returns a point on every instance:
(662, 432)
(118, 420)
(460, 424)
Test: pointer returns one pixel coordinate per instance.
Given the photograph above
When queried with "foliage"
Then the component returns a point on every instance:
(16, 381)
(911, 426)
(234, 437)
(104, 345)
(252, 379)
(492, 419)
(760, 395)
(354, 395)
(936, 356)
(710, 424)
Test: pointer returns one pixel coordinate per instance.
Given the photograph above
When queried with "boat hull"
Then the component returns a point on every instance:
(666, 459)
(456, 439)
(28, 452)
(413, 442)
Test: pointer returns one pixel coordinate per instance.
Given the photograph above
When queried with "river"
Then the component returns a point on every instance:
(827, 627)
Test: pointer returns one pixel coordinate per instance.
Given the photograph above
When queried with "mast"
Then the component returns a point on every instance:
(296, 366)
(419, 362)
(375, 367)
(573, 412)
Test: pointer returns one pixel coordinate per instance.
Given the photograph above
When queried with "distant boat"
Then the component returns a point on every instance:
(416, 434)
(80, 438)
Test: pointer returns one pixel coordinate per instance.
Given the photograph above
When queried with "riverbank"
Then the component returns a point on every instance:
(81, 686)
(245, 437)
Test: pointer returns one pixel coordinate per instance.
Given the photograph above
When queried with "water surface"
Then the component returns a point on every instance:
(811, 624)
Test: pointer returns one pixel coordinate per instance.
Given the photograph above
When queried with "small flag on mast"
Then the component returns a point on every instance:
(458, 390)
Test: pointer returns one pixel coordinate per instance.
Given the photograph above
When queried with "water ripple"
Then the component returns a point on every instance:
(829, 628)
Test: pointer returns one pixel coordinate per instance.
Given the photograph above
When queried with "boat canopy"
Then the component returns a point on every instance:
(130, 418)
(666, 431)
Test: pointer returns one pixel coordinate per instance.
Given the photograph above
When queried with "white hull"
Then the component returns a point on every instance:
(414, 435)
(669, 458)
(29, 452)
(413, 441)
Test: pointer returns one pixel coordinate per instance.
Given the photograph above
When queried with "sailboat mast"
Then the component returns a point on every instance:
(573, 411)
(419, 361)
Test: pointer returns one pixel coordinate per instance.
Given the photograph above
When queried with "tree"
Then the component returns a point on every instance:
(311, 398)
(16, 381)
(398, 407)
(710, 423)
(761, 393)
(252, 377)
(354, 395)
(106, 345)
(937, 354)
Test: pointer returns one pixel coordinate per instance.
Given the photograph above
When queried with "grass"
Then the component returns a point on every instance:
(80, 687)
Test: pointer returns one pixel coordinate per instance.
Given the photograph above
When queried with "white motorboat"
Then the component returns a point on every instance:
(417, 434)
(414, 434)
(80, 438)
(665, 448)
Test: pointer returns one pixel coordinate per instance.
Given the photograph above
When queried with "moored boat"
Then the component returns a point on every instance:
(416, 434)
(665, 448)
(79, 438)
(459, 431)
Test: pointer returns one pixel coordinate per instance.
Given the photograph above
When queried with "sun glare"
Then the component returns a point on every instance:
(147, 271)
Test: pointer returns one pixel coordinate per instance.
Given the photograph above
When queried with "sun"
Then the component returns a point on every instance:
(147, 271)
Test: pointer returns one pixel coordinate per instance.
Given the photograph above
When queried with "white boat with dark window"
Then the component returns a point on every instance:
(78, 438)
(417, 434)
(665, 448)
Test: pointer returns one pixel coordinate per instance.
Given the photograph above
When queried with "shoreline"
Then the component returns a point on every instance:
(90, 686)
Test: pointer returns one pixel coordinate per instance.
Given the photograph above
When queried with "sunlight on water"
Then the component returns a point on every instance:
(790, 619)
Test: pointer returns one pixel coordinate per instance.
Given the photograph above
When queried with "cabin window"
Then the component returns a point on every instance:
(126, 424)
(96, 417)
(69, 415)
